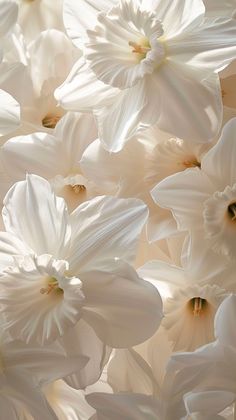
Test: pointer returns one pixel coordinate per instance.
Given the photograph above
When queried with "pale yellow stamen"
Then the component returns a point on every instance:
(139, 49)
(192, 163)
(50, 120)
(78, 188)
(51, 286)
(197, 306)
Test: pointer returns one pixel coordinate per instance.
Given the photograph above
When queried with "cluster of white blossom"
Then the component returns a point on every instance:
(118, 226)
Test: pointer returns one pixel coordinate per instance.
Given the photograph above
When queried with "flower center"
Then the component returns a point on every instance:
(192, 163)
(50, 120)
(78, 188)
(232, 211)
(197, 306)
(52, 286)
(139, 49)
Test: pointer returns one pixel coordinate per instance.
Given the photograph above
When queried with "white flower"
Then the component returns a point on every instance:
(191, 296)
(8, 18)
(46, 63)
(23, 370)
(115, 301)
(208, 374)
(204, 199)
(36, 16)
(155, 57)
(55, 157)
(9, 113)
(156, 156)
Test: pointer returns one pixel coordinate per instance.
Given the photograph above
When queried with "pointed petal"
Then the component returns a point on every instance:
(9, 113)
(119, 121)
(76, 23)
(165, 277)
(37, 153)
(197, 98)
(76, 131)
(103, 228)
(8, 17)
(36, 216)
(81, 91)
(208, 403)
(177, 15)
(210, 46)
(222, 171)
(184, 194)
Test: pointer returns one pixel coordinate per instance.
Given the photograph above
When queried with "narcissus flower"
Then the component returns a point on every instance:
(204, 199)
(74, 266)
(145, 60)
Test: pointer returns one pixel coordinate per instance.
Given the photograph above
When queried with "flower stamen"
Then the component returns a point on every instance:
(197, 306)
(50, 120)
(78, 188)
(52, 286)
(139, 49)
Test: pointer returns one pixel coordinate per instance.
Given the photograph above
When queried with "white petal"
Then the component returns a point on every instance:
(222, 170)
(8, 16)
(10, 245)
(177, 15)
(9, 113)
(76, 23)
(196, 96)
(224, 322)
(36, 216)
(37, 153)
(52, 55)
(209, 402)
(119, 121)
(210, 46)
(105, 227)
(184, 194)
(82, 339)
(81, 91)
(20, 388)
(76, 131)
(46, 364)
(126, 406)
(123, 309)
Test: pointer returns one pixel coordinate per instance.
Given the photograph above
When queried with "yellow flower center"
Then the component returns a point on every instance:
(52, 286)
(50, 120)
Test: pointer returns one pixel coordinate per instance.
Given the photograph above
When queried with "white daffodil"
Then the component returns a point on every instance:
(72, 269)
(8, 18)
(23, 371)
(9, 113)
(55, 157)
(191, 296)
(32, 80)
(204, 199)
(144, 60)
(156, 157)
(36, 16)
(207, 376)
